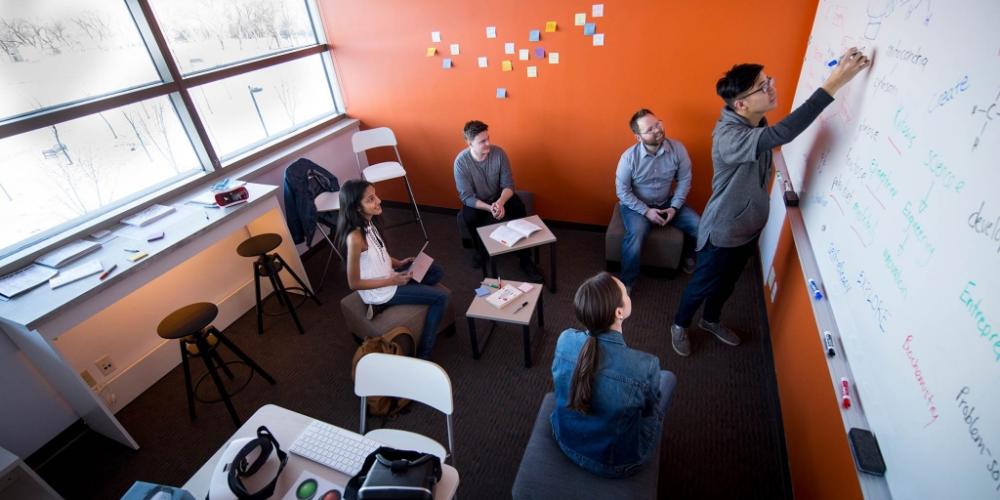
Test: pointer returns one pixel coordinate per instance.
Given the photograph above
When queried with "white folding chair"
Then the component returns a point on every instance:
(328, 202)
(381, 374)
(383, 137)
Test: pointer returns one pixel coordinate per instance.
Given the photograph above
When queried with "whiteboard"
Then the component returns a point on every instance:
(899, 181)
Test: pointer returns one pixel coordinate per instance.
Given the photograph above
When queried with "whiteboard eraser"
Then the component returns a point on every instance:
(791, 199)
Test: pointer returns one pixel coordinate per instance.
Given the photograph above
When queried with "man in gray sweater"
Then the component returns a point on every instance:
(738, 208)
(486, 187)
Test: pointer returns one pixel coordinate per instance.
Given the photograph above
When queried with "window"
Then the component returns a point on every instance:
(105, 102)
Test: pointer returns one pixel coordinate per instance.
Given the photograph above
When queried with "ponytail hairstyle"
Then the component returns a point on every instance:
(350, 217)
(595, 302)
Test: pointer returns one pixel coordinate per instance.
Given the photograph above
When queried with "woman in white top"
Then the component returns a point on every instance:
(380, 279)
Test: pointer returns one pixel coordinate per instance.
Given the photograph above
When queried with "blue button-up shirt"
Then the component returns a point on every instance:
(644, 179)
(623, 427)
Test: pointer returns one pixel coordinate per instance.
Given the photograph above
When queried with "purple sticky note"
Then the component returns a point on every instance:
(539, 53)
(589, 29)
(534, 35)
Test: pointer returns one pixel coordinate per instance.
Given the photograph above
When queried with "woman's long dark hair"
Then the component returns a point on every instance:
(595, 303)
(350, 217)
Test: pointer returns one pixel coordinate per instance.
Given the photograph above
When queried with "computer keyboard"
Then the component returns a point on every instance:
(334, 447)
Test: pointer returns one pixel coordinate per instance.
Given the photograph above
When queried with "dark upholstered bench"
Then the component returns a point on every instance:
(662, 248)
(547, 474)
(410, 316)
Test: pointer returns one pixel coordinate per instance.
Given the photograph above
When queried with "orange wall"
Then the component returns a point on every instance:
(564, 130)
(819, 457)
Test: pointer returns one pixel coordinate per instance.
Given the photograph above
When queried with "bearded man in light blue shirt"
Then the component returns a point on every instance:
(645, 184)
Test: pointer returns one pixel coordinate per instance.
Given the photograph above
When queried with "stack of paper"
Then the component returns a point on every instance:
(148, 216)
(68, 253)
(25, 279)
(88, 268)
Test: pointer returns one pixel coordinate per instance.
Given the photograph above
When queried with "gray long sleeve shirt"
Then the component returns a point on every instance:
(644, 179)
(482, 180)
(741, 157)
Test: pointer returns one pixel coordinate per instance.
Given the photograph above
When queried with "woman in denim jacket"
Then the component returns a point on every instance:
(609, 408)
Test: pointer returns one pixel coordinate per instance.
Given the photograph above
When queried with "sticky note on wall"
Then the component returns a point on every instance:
(454, 49)
(553, 58)
(522, 54)
(534, 36)
(482, 62)
(501, 93)
(436, 36)
(446, 64)
(506, 66)
(539, 53)
(532, 71)
(598, 39)
(491, 32)
(597, 10)
(508, 48)
(580, 19)
(431, 51)
(550, 27)
(589, 29)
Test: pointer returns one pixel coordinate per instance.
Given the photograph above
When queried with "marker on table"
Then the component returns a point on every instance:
(107, 273)
(814, 289)
(522, 306)
(845, 393)
(828, 340)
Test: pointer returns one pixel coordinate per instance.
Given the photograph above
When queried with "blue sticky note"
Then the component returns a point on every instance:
(534, 36)
(482, 291)
(501, 93)
(446, 64)
(539, 52)
(589, 29)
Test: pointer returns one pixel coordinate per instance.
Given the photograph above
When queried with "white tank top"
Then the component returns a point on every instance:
(376, 264)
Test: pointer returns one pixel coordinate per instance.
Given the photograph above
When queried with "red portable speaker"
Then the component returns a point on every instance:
(232, 196)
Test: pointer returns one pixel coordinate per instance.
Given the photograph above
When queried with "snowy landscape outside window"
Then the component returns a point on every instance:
(106, 101)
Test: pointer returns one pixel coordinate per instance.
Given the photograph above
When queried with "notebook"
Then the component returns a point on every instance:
(503, 296)
(421, 263)
(513, 231)
(77, 273)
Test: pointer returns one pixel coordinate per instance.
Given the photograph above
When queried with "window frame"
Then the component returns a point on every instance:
(176, 87)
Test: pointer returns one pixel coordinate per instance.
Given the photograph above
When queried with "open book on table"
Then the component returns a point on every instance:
(512, 232)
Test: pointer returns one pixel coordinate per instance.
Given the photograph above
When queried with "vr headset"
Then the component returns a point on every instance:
(249, 468)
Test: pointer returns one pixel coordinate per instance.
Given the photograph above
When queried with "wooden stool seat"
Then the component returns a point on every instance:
(187, 320)
(256, 246)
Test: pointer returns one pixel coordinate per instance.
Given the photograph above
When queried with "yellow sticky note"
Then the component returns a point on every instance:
(550, 27)
(431, 51)
(506, 66)
(137, 256)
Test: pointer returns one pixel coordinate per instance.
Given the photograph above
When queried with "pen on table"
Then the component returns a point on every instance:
(107, 273)
(500, 281)
(522, 306)
(814, 289)
(206, 214)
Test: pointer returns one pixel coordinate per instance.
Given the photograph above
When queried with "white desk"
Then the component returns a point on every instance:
(286, 425)
(34, 320)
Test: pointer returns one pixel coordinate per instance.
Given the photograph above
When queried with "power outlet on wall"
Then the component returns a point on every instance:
(105, 365)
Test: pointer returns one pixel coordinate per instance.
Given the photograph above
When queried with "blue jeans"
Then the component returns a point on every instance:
(713, 281)
(424, 294)
(637, 227)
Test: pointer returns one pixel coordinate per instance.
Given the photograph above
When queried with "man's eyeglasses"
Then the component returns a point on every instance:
(764, 87)
(656, 127)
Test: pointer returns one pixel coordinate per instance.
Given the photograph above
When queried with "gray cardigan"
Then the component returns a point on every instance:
(741, 158)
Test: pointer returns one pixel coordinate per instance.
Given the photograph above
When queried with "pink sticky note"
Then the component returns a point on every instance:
(540, 52)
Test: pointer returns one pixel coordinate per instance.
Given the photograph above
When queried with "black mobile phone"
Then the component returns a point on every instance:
(867, 455)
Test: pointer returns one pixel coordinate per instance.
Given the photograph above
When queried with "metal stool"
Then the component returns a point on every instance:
(270, 265)
(192, 326)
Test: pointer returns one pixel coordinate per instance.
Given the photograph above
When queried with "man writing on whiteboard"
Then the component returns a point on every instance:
(485, 186)
(738, 208)
(644, 183)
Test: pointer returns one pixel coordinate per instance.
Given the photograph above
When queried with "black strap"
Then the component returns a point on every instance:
(240, 468)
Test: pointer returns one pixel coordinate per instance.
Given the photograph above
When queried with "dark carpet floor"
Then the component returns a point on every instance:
(723, 436)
